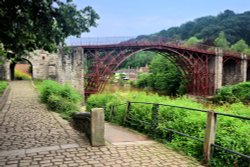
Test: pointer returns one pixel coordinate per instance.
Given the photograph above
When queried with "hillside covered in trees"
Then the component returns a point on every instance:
(235, 26)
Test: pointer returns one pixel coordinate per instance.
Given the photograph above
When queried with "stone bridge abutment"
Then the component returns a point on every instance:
(229, 70)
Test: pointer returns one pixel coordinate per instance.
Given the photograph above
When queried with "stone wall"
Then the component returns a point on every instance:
(2, 72)
(70, 68)
(61, 67)
(231, 72)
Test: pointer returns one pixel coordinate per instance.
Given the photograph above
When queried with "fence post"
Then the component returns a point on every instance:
(209, 135)
(97, 127)
(126, 113)
(155, 109)
(112, 109)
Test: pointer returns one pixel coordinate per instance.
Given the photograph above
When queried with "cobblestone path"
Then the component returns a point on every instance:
(30, 135)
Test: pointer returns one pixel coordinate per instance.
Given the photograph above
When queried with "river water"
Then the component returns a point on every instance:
(125, 88)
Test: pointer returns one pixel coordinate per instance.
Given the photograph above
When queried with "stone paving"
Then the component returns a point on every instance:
(30, 135)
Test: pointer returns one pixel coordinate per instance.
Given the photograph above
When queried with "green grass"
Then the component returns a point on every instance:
(3, 86)
(59, 98)
(231, 133)
(21, 76)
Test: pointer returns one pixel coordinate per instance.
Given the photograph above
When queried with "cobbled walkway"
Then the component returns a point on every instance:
(32, 136)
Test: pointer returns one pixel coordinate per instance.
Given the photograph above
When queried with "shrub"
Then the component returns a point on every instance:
(231, 133)
(60, 98)
(3, 86)
(234, 93)
(21, 76)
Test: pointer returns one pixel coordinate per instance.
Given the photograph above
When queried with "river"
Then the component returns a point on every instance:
(125, 88)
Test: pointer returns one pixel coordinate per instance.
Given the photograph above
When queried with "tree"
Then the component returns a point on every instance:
(221, 41)
(193, 41)
(240, 46)
(247, 51)
(209, 27)
(140, 59)
(30, 24)
(164, 77)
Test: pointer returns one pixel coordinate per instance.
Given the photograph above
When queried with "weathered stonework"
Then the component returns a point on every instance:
(61, 67)
(70, 68)
(217, 67)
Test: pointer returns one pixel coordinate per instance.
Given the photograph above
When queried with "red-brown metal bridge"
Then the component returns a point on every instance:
(198, 64)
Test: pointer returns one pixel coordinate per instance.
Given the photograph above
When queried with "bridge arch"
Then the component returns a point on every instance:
(231, 66)
(105, 60)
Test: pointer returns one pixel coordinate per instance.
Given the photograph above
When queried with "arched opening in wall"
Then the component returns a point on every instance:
(248, 73)
(21, 69)
(229, 72)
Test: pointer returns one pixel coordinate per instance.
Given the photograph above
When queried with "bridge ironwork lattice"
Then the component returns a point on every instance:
(104, 58)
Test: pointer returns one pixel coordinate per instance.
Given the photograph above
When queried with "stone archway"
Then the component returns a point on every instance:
(64, 67)
(25, 67)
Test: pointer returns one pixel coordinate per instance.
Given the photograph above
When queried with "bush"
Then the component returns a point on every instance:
(21, 76)
(234, 93)
(231, 133)
(3, 86)
(60, 98)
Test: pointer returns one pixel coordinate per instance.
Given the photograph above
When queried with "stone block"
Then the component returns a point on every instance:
(97, 127)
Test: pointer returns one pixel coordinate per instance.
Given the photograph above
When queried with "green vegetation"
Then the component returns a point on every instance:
(140, 59)
(241, 46)
(231, 133)
(3, 86)
(23, 24)
(221, 41)
(163, 77)
(233, 93)
(193, 41)
(60, 98)
(208, 28)
(19, 75)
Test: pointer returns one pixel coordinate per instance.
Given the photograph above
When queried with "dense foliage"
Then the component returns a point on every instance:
(140, 59)
(208, 28)
(233, 93)
(27, 24)
(221, 41)
(231, 133)
(3, 86)
(60, 98)
(193, 41)
(163, 77)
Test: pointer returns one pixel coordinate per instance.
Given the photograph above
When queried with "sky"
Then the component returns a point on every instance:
(130, 18)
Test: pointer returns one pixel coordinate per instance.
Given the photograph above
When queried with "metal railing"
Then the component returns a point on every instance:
(210, 131)
(132, 41)
(72, 41)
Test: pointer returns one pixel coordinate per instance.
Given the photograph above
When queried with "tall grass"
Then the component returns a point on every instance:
(3, 86)
(231, 133)
(19, 75)
(60, 98)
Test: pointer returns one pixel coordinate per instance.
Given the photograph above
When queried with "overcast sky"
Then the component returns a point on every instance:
(140, 17)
